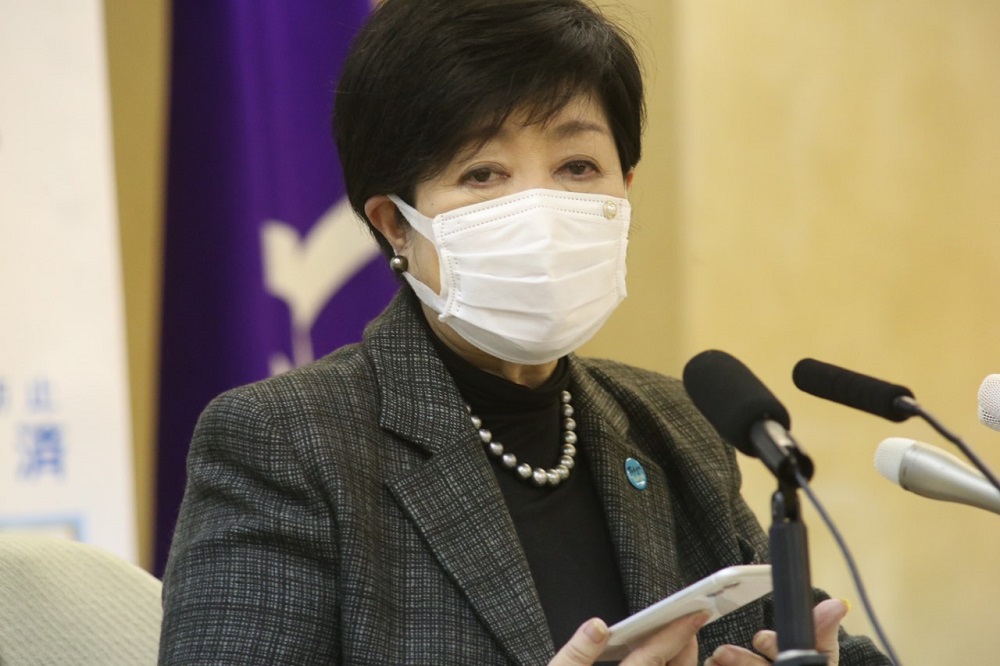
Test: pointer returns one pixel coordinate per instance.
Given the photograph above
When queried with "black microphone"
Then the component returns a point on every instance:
(890, 401)
(745, 413)
(748, 415)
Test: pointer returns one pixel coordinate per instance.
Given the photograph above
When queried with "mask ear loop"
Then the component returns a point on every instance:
(425, 227)
(423, 224)
(400, 263)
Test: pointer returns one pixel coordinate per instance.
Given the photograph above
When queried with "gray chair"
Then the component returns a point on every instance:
(63, 602)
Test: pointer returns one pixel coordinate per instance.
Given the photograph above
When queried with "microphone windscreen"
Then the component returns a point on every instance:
(989, 402)
(851, 388)
(889, 456)
(731, 397)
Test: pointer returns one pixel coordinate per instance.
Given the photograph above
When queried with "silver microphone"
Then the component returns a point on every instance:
(989, 402)
(926, 470)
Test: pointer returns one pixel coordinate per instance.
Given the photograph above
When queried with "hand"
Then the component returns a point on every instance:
(826, 616)
(673, 645)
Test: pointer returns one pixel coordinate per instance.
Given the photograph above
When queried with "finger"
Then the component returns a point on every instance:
(826, 620)
(828, 615)
(668, 643)
(766, 642)
(585, 646)
(688, 656)
(731, 655)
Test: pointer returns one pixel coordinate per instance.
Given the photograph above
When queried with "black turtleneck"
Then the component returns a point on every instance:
(562, 529)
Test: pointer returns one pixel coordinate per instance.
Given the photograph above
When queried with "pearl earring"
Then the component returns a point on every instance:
(399, 264)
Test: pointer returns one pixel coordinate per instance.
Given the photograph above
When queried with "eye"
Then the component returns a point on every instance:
(482, 175)
(580, 168)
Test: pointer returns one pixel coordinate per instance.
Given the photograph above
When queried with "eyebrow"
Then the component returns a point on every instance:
(574, 127)
(564, 130)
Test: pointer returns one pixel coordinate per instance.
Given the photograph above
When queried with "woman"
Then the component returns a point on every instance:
(460, 488)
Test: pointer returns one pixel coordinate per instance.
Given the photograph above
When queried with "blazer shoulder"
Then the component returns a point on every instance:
(619, 378)
(657, 403)
(341, 381)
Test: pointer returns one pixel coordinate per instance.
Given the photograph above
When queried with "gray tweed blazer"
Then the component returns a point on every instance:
(345, 512)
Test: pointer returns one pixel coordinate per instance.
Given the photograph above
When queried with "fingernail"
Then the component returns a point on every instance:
(701, 619)
(596, 630)
(762, 641)
(847, 605)
(722, 656)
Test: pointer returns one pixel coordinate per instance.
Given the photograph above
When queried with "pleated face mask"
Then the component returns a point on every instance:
(528, 277)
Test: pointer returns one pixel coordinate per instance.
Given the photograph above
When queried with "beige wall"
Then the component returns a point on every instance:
(820, 180)
(823, 179)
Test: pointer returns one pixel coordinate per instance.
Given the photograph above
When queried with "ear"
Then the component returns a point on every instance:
(628, 179)
(383, 215)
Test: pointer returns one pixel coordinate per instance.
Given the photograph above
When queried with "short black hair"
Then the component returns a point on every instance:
(424, 78)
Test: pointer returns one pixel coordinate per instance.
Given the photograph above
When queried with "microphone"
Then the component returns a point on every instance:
(989, 402)
(750, 418)
(745, 413)
(931, 472)
(890, 401)
(823, 380)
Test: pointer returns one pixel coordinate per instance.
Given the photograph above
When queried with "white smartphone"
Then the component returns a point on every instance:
(721, 592)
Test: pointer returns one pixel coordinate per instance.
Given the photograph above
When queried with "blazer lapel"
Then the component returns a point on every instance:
(453, 498)
(640, 521)
(459, 510)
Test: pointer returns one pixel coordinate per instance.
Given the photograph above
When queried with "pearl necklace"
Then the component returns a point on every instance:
(539, 476)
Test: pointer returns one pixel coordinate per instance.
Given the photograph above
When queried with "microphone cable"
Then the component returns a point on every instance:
(733, 399)
(957, 441)
(851, 565)
(878, 397)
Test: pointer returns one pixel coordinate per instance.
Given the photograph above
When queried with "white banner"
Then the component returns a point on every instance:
(65, 446)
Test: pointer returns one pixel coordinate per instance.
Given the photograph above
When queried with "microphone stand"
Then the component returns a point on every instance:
(793, 597)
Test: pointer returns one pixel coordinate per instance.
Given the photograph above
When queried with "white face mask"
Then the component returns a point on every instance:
(527, 277)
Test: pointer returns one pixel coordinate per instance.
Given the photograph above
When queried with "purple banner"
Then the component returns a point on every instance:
(265, 266)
